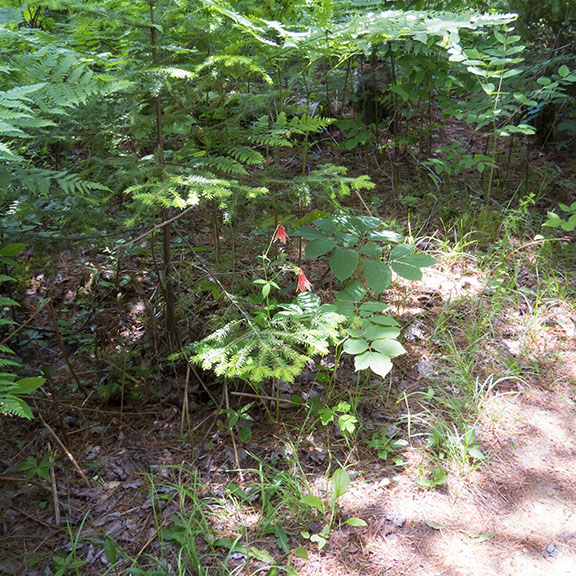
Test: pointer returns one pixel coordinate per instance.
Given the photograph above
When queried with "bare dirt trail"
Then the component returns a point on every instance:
(515, 516)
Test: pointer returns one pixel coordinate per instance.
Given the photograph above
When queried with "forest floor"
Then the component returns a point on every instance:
(500, 503)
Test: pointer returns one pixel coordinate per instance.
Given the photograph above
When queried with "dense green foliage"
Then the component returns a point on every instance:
(134, 111)
(243, 197)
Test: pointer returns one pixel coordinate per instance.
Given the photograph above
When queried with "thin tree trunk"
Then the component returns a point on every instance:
(171, 327)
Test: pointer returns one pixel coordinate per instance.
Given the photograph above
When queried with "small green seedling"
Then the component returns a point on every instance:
(340, 485)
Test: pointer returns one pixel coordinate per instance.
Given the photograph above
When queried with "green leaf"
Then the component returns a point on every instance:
(476, 453)
(16, 406)
(309, 233)
(433, 525)
(12, 250)
(362, 361)
(326, 415)
(378, 275)
(347, 423)
(355, 346)
(319, 247)
(388, 347)
(312, 501)
(301, 552)
(406, 271)
(319, 540)
(28, 385)
(372, 251)
(282, 540)
(355, 522)
(340, 482)
(326, 225)
(346, 309)
(373, 307)
(244, 434)
(261, 555)
(382, 320)
(374, 332)
(110, 550)
(420, 260)
(343, 263)
(352, 292)
(380, 364)
(400, 251)
(563, 71)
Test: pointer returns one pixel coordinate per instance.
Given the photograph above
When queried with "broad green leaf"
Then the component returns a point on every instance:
(261, 555)
(354, 332)
(385, 236)
(400, 251)
(356, 522)
(319, 540)
(110, 550)
(383, 320)
(309, 233)
(476, 453)
(326, 225)
(406, 271)
(312, 501)
(378, 275)
(319, 247)
(347, 423)
(380, 364)
(372, 251)
(388, 347)
(362, 361)
(355, 346)
(352, 292)
(301, 552)
(28, 385)
(244, 434)
(373, 307)
(346, 309)
(340, 482)
(375, 332)
(420, 260)
(11, 250)
(343, 263)
(326, 415)
(553, 220)
(345, 239)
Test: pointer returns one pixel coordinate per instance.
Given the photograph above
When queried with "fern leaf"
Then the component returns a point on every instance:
(15, 406)
(246, 155)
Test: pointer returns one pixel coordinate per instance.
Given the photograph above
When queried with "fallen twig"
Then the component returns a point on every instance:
(64, 449)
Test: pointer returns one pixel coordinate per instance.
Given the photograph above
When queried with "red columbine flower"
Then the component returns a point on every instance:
(303, 282)
(280, 235)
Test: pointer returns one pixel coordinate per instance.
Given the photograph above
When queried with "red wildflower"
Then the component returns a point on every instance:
(280, 234)
(303, 282)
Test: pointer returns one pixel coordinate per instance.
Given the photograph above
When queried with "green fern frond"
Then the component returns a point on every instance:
(223, 164)
(280, 348)
(246, 155)
(309, 124)
(15, 406)
(235, 66)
